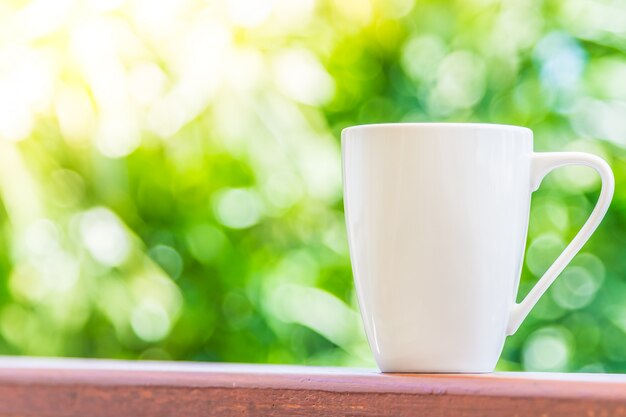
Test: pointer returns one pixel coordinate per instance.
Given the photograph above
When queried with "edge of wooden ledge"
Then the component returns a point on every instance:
(213, 374)
(73, 387)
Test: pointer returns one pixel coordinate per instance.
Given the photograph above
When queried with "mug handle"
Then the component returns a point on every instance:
(541, 165)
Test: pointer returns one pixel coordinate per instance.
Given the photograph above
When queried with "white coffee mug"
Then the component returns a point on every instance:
(437, 216)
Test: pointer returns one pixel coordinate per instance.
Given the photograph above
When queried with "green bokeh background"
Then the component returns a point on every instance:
(170, 171)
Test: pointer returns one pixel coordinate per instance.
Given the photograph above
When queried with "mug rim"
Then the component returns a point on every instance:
(454, 125)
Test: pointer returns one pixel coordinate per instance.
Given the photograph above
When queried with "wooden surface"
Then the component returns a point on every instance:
(89, 388)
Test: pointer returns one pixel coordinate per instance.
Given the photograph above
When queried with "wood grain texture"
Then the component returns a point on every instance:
(93, 388)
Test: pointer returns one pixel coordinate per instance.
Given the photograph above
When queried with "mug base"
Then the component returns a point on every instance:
(430, 363)
(437, 369)
(436, 372)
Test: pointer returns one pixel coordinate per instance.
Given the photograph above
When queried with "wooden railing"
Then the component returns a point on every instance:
(95, 388)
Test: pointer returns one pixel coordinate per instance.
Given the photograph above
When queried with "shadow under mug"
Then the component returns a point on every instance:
(437, 216)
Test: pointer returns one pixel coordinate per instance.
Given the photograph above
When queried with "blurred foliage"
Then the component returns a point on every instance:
(170, 170)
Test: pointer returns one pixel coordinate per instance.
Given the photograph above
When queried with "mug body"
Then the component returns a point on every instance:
(437, 216)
